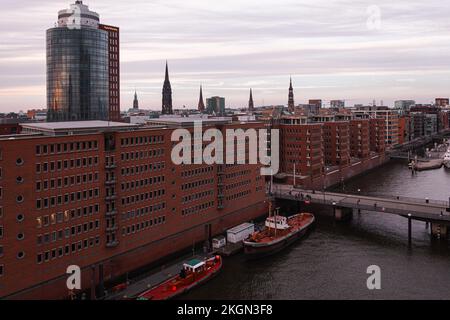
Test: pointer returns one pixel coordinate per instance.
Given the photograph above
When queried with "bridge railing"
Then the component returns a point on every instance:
(402, 198)
(442, 215)
(441, 203)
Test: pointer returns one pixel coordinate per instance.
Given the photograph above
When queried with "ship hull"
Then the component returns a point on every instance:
(149, 295)
(260, 250)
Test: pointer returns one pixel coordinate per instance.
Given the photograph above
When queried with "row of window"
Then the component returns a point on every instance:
(139, 155)
(196, 184)
(197, 196)
(136, 141)
(197, 208)
(238, 184)
(140, 212)
(143, 197)
(59, 165)
(67, 215)
(143, 225)
(66, 147)
(239, 195)
(143, 168)
(67, 198)
(238, 174)
(67, 249)
(198, 171)
(68, 232)
(66, 181)
(132, 185)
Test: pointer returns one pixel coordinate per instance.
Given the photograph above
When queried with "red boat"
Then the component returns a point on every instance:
(194, 273)
(278, 233)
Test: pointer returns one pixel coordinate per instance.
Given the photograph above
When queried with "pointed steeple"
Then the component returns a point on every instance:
(167, 94)
(201, 104)
(136, 101)
(291, 104)
(167, 72)
(251, 106)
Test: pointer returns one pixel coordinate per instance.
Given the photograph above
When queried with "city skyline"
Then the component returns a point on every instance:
(328, 48)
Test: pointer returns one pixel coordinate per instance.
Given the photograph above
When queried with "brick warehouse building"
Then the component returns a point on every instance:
(336, 143)
(377, 135)
(359, 138)
(301, 146)
(107, 197)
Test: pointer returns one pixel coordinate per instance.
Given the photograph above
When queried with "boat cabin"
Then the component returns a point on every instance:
(277, 222)
(194, 266)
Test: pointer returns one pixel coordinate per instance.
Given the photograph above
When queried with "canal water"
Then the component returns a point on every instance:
(331, 263)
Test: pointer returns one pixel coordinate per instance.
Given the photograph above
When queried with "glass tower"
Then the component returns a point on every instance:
(77, 67)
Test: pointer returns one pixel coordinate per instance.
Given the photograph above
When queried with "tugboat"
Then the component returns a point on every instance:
(194, 273)
(278, 233)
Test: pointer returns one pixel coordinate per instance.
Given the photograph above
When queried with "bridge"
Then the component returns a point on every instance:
(431, 211)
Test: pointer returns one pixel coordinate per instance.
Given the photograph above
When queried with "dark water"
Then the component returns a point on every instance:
(331, 262)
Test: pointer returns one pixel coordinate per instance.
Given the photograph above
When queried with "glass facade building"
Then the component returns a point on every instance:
(77, 69)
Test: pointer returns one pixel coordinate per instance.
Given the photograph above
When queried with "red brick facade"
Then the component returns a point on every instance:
(110, 201)
(336, 143)
(359, 138)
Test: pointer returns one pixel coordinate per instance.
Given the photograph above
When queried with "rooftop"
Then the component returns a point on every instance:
(76, 127)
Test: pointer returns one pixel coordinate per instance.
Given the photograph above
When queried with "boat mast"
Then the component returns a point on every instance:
(270, 214)
(276, 221)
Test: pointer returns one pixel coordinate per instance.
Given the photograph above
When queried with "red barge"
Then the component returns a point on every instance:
(278, 233)
(194, 273)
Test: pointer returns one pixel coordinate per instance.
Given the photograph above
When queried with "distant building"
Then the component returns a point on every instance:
(442, 102)
(82, 67)
(251, 105)
(316, 102)
(135, 102)
(403, 106)
(359, 138)
(215, 105)
(337, 104)
(201, 104)
(114, 71)
(291, 103)
(336, 135)
(167, 94)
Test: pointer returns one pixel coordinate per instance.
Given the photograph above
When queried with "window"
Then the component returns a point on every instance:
(19, 179)
(20, 255)
(19, 198)
(20, 217)
(2, 267)
(1, 251)
(19, 161)
(1, 232)
(20, 236)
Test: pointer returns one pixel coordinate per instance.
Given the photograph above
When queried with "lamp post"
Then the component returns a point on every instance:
(409, 230)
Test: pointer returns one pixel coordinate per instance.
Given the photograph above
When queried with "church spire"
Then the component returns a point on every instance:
(201, 104)
(291, 104)
(251, 106)
(167, 94)
(135, 101)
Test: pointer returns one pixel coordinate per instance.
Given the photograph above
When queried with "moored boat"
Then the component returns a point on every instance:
(278, 233)
(194, 273)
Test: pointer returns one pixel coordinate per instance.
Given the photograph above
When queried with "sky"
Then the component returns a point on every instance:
(357, 51)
